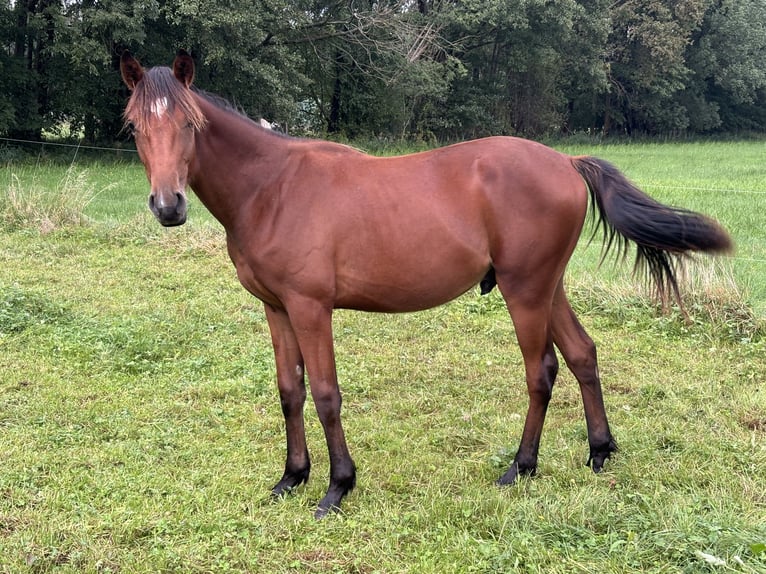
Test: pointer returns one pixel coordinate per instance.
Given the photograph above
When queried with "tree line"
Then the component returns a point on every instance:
(428, 69)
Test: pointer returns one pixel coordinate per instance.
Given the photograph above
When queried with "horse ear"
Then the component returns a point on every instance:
(183, 68)
(131, 70)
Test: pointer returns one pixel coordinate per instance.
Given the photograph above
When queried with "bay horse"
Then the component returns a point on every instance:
(312, 226)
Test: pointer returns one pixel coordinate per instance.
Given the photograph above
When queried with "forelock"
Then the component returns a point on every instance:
(159, 92)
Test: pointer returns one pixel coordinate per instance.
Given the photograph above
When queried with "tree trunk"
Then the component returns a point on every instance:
(333, 123)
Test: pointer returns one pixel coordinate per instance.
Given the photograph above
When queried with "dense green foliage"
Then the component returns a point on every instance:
(431, 69)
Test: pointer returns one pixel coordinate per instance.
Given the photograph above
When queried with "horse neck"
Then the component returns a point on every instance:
(233, 158)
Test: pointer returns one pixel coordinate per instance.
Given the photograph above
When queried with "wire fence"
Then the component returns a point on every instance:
(76, 146)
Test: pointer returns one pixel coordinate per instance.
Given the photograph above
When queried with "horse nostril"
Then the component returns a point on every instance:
(165, 202)
(168, 207)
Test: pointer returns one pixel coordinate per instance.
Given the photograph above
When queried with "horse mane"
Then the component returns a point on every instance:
(160, 84)
(220, 102)
(223, 104)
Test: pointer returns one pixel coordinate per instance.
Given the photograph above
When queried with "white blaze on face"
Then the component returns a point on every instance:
(159, 107)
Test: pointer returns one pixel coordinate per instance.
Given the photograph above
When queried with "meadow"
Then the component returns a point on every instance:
(140, 427)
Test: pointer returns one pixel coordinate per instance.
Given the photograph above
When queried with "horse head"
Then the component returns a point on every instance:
(163, 116)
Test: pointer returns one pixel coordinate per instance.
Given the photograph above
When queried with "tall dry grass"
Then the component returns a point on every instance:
(25, 204)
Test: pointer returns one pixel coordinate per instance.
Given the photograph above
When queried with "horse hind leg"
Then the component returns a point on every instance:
(579, 353)
(531, 320)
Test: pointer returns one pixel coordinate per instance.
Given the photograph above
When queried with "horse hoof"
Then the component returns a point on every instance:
(509, 478)
(280, 492)
(289, 482)
(323, 511)
(598, 456)
(331, 501)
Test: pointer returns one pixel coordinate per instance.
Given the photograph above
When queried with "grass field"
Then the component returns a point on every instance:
(140, 428)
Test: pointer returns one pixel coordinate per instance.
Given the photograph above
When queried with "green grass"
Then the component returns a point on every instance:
(140, 428)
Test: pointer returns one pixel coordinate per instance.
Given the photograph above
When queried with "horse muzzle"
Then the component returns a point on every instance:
(169, 208)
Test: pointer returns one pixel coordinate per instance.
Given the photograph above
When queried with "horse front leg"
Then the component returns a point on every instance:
(312, 323)
(292, 395)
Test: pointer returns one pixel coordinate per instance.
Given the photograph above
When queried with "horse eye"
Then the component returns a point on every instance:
(190, 125)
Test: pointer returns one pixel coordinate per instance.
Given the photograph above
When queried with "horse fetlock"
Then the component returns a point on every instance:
(343, 482)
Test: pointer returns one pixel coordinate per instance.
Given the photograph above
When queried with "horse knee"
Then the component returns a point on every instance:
(292, 403)
(328, 404)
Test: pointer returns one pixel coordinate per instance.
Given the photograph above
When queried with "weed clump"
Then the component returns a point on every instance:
(713, 303)
(46, 210)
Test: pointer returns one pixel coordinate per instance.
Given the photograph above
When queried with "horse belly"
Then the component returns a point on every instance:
(410, 278)
(403, 297)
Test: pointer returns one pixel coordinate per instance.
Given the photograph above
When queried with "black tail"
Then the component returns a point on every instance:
(662, 234)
